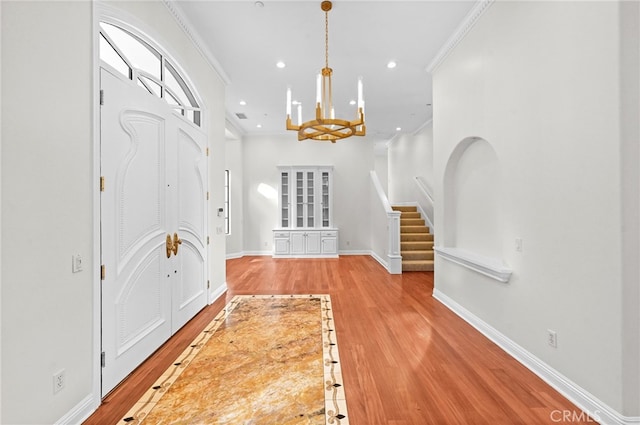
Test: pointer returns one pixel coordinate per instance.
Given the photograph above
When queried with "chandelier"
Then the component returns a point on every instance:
(326, 126)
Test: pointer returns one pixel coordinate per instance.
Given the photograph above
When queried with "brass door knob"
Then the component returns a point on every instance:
(169, 246)
(176, 241)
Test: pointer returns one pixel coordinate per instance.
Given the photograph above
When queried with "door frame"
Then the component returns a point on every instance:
(108, 13)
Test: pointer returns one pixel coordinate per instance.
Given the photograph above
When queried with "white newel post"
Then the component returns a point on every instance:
(395, 259)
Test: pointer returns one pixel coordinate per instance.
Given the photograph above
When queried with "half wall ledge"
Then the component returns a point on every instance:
(488, 266)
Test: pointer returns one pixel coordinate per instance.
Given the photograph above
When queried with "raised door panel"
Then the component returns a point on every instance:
(298, 243)
(329, 246)
(313, 242)
(281, 246)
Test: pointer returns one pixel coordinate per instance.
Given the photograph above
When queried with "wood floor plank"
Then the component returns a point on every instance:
(406, 359)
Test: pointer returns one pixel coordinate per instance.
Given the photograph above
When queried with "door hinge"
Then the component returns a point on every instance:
(103, 272)
(101, 97)
(207, 240)
(207, 196)
(101, 183)
(103, 360)
(208, 284)
(207, 151)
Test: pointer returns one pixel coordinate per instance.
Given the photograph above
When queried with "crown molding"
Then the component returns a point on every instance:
(469, 21)
(187, 27)
(424, 125)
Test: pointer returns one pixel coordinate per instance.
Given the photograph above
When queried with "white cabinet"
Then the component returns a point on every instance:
(305, 243)
(305, 198)
(329, 242)
(305, 213)
(281, 243)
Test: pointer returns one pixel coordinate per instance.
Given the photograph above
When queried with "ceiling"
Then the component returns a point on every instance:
(248, 38)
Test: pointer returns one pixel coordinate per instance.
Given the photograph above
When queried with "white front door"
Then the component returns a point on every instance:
(154, 169)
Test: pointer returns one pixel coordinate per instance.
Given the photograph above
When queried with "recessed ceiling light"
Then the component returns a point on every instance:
(259, 125)
(281, 64)
(391, 65)
(398, 128)
(352, 102)
(243, 103)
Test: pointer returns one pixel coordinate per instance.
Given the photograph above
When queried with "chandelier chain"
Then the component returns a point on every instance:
(326, 39)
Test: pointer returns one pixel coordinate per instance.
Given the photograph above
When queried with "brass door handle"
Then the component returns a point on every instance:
(169, 246)
(176, 241)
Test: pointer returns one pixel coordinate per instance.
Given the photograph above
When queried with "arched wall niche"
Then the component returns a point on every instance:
(472, 199)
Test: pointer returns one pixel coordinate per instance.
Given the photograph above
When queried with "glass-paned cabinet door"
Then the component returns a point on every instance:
(325, 199)
(310, 199)
(299, 199)
(284, 198)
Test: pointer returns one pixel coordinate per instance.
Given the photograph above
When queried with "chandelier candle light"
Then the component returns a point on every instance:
(326, 126)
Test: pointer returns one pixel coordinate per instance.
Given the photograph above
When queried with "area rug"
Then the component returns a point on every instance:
(265, 359)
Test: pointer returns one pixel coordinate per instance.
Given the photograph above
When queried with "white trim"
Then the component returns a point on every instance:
(96, 368)
(219, 292)
(379, 260)
(491, 267)
(234, 255)
(469, 21)
(257, 253)
(195, 38)
(584, 400)
(423, 126)
(79, 413)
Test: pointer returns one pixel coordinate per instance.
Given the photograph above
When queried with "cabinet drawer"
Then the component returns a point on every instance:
(330, 233)
(281, 235)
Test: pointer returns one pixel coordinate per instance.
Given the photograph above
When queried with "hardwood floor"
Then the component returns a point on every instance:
(406, 359)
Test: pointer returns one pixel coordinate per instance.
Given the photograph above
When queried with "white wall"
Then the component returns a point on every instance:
(381, 165)
(540, 82)
(410, 155)
(352, 160)
(47, 208)
(48, 188)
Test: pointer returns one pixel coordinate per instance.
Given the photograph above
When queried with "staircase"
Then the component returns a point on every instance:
(416, 241)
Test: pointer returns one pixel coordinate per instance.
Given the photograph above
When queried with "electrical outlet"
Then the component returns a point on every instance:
(552, 338)
(59, 380)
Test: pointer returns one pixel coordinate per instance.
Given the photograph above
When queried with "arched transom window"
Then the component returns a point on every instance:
(138, 61)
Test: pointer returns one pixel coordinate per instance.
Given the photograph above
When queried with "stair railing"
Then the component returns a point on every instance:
(385, 228)
(426, 208)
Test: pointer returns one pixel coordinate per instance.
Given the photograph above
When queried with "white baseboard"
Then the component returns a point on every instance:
(258, 253)
(234, 255)
(584, 400)
(355, 252)
(217, 293)
(379, 260)
(79, 413)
